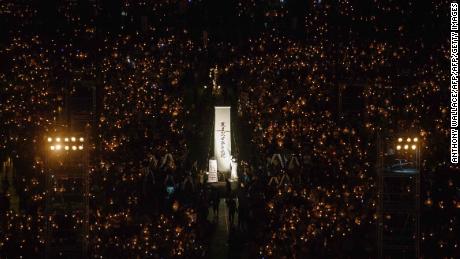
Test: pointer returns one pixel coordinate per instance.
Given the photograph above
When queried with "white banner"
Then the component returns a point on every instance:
(212, 174)
(222, 139)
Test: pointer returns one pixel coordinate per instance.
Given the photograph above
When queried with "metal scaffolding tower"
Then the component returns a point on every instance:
(398, 208)
(67, 166)
(67, 196)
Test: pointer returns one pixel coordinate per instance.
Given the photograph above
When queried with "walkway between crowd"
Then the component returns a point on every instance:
(219, 241)
(222, 229)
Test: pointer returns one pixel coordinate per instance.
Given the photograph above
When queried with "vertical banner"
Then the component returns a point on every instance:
(212, 174)
(222, 140)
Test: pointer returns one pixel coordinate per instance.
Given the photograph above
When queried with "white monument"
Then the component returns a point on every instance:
(234, 174)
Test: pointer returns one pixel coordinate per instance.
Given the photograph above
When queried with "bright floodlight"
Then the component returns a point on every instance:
(74, 147)
(80, 147)
(58, 147)
(408, 139)
(73, 139)
(81, 139)
(58, 139)
(66, 147)
(50, 139)
(406, 147)
(66, 139)
(415, 139)
(400, 139)
(414, 147)
(52, 147)
(398, 147)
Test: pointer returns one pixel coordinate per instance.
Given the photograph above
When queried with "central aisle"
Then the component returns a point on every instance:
(219, 241)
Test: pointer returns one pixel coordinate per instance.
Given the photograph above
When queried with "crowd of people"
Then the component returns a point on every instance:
(321, 102)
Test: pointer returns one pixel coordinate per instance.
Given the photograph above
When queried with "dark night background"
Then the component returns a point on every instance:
(332, 83)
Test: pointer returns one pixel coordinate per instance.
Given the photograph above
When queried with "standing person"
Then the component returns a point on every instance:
(215, 202)
(4, 207)
(203, 207)
(242, 214)
(228, 188)
(4, 202)
(231, 205)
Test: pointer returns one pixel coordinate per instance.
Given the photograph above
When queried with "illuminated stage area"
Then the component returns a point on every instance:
(229, 129)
